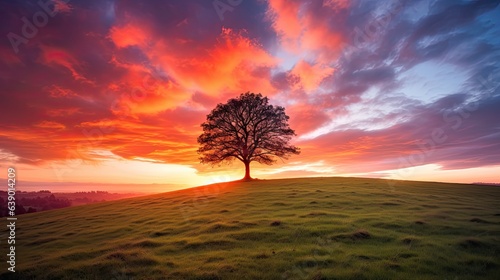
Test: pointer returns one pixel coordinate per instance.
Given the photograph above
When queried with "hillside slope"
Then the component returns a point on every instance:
(312, 228)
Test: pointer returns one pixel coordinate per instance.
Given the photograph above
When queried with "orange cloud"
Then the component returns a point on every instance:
(161, 138)
(157, 98)
(235, 63)
(128, 35)
(311, 75)
(141, 92)
(232, 65)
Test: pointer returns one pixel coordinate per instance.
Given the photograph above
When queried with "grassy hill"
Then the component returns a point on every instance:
(313, 228)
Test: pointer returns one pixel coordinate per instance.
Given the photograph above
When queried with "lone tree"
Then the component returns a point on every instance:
(247, 128)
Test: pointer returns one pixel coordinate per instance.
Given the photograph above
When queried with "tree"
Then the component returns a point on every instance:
(246, 128)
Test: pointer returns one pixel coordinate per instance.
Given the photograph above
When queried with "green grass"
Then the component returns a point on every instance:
(314, 228)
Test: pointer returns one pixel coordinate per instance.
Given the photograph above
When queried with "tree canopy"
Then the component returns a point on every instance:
(246, 128)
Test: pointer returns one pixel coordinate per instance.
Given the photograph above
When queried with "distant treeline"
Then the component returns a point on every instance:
(93, 192)
(30, 205)
(487, 184)
(36, 201)
(47, 192)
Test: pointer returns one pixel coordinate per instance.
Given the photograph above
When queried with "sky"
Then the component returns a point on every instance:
(114, 92)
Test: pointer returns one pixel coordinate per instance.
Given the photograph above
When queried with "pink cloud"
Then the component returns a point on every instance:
(305, 118)
(58, 91)
(50, 125)
(61, 6)
(54, 56)
(303, 30)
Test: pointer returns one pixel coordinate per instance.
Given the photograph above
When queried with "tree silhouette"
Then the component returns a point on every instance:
(246, 128)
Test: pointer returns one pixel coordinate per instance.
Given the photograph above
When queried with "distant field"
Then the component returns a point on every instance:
(314, 228)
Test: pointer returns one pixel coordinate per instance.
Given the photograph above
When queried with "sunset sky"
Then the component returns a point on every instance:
(114, 92)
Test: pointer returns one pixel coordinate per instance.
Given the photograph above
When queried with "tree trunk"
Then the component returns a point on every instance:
(247, 171)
